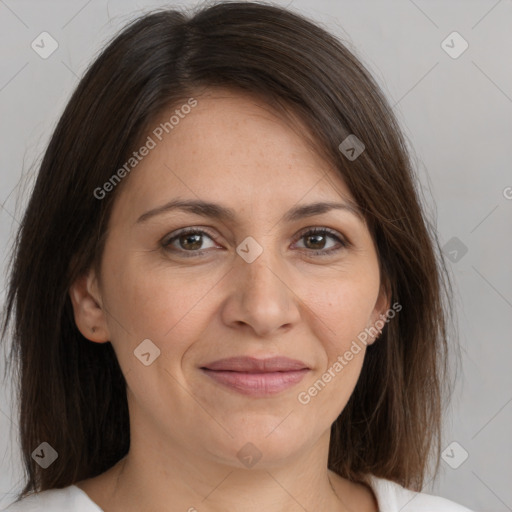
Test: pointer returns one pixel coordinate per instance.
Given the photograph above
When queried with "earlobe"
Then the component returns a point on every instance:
(89, 315)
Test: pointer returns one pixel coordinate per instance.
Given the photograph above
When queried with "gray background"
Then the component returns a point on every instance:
(457, 115)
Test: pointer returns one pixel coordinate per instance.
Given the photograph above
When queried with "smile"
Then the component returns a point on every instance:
(257, 384)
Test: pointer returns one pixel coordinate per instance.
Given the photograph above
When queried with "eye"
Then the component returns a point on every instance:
(317, 237)
(188, 240)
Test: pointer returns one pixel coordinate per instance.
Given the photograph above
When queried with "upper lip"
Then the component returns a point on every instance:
(253, 365)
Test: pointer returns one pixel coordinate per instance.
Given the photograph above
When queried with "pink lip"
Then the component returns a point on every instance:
(257, 377)
(257, 384)
(253, 365)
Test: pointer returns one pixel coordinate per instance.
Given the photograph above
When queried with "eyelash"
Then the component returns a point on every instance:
(314, 231)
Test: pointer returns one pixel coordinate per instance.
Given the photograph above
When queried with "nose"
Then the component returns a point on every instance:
(261, 297)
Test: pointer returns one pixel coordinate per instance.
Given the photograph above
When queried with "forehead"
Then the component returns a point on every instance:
(230, 145)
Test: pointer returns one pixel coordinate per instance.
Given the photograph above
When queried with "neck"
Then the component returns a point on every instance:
(148, 479)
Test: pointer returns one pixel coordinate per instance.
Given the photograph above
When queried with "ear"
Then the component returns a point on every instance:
(382, 306)
(90, 317)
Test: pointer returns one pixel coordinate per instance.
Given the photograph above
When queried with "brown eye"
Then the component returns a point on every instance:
(190, 241)
(318, 241)
(317, 238)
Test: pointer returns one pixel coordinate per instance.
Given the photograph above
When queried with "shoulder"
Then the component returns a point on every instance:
(67, 499)
(392, 497)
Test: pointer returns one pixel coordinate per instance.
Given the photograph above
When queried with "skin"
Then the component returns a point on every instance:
(187, 429)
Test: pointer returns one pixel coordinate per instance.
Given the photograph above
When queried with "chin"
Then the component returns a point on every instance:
(261, 446)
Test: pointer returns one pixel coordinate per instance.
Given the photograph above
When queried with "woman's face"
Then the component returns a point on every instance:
(251, 284)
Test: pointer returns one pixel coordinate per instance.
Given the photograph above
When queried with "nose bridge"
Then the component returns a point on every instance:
(262, 297)
(258, 262)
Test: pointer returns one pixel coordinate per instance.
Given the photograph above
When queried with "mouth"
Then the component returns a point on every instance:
(257, 377)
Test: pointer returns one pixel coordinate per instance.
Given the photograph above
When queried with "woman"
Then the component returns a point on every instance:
(225, 294)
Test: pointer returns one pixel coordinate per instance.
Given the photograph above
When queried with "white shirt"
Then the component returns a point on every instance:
(391, 497)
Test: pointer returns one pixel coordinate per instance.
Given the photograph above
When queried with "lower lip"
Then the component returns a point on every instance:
(257, 384)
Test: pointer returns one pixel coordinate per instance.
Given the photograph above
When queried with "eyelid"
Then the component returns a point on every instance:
(188, 230)
(342, 240)
(321, 229)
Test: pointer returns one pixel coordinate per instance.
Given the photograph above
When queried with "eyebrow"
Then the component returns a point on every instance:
(217, 211)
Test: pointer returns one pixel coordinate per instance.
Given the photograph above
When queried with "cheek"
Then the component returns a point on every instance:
(329, 391)
(343, 311)
(168, 308)
(339, 314)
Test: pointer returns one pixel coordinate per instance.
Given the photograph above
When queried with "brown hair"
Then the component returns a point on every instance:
(72, 393)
